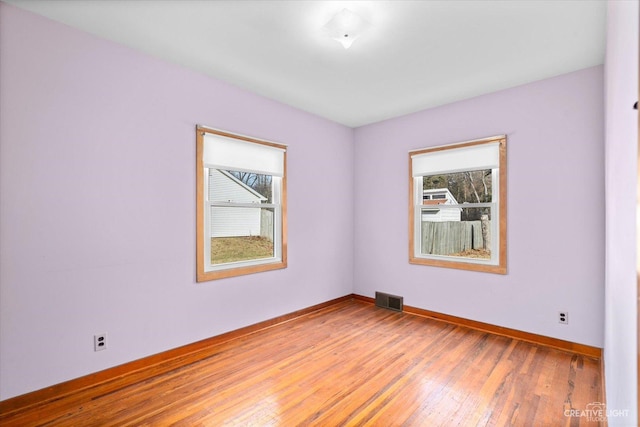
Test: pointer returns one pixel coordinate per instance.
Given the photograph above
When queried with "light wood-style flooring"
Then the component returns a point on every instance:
(349, 364)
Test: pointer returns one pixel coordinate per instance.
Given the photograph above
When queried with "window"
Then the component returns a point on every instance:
(241, 205)
(457, 205)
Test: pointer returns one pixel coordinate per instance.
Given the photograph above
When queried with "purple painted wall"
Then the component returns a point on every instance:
(97, 206)
(97, 213)
(621, 167)
(555, 208)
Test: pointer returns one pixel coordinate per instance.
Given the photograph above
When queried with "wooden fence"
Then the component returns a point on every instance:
(451, 237)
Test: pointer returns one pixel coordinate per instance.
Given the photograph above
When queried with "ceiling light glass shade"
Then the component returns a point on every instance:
(346, 27)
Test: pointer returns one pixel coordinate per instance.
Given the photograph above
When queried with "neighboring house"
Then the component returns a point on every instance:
(233, 221)
(436, 197)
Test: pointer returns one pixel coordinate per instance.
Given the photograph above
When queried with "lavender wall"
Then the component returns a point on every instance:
(97, 213)
(555, 208)
(621, 84)
(97, 206)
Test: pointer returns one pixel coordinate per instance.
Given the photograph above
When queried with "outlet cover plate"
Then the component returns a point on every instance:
(100, 342)
(563, 317)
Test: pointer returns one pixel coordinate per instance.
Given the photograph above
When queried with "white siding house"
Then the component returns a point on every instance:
(233, 221)
(437, 197)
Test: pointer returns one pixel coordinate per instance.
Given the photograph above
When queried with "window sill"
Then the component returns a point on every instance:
(462, 265)
(240, 271)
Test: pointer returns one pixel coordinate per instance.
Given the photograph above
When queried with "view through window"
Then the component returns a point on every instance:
(458, 211)
(241, 205)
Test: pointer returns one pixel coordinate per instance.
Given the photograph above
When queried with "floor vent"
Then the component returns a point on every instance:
(392, 302)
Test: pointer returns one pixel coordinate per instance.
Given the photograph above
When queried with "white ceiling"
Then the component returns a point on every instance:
(416, 54)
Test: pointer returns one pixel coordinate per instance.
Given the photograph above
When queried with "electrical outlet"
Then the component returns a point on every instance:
(563, 317)
(100, 342)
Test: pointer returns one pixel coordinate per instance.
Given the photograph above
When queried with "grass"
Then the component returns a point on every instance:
(230, 249)
(474, 253)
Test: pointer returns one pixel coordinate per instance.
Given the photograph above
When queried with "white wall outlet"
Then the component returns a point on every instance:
(100, 342)
(563, 317)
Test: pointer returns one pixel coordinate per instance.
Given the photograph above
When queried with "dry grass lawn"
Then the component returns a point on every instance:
(474, 253)
(230, 249)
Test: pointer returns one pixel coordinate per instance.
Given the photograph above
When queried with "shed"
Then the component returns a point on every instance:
(433, 198)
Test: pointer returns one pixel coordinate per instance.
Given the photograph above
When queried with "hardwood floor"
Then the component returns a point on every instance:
(348, 364)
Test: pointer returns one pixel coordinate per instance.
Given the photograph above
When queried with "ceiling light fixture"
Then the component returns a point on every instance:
(345, 27)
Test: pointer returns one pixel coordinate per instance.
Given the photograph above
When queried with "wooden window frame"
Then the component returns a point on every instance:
(202, 274)
(501, 266)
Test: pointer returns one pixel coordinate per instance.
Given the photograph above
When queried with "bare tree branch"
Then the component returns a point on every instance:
(473, 187)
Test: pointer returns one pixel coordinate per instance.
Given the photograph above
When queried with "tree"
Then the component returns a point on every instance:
(259, 182)
(468, 187)
(484, 212)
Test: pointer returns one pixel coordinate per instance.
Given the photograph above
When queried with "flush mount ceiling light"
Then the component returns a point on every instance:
(346, 27)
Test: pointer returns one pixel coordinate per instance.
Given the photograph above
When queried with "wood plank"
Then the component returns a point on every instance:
(583, 349)
(147, 367)
(348, 363)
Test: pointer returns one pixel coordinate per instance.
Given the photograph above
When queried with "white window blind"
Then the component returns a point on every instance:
(469, 158)
(232, 154)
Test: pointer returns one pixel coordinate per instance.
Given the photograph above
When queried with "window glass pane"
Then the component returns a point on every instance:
(239, 187)
(458, 188)
(241, 234)
(459, 232)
